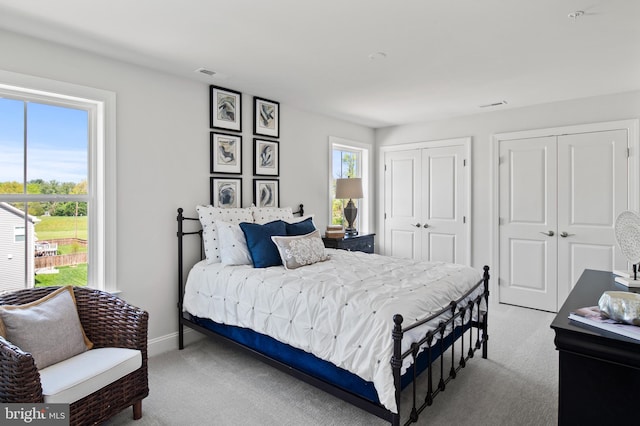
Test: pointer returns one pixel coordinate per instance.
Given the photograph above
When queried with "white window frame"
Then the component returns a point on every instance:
(101, 105)
(365, 210)
(19, 231)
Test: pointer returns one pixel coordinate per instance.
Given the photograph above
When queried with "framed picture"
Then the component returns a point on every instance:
(266, 157)
(225, 109)
(266, 117)
(226, 192)
(266, 192)
(226, 153)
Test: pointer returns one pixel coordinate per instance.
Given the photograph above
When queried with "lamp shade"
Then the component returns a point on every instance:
(349, 188)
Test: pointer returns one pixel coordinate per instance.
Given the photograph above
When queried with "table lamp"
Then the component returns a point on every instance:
(349, 188)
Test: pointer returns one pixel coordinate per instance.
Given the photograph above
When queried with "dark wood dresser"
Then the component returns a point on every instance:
(364, 243)
(599, 371)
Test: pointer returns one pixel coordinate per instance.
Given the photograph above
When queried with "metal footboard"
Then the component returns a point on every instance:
(456, 320)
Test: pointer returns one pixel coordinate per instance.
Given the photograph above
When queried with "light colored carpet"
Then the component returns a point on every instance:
(210, 383)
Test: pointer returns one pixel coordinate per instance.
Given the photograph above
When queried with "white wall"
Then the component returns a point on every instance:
(481, 127)
(163, 162)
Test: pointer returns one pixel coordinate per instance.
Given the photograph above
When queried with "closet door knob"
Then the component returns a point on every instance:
(417, 225)
(548, 233)
(426, 225)
(564, 234)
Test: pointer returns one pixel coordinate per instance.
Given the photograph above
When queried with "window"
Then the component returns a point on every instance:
(57, 181)
(18, 234)
(349, 159)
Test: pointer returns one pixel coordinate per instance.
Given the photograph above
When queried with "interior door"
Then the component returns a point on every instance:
(528, 222)
(403, 187)
(592, 192)
(443, 204)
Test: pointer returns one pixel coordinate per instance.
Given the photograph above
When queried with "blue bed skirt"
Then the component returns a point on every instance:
(310, 364)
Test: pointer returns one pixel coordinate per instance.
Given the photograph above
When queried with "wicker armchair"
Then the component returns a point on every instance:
(108, 321)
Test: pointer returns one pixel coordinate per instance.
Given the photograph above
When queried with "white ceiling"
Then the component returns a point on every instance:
(444, 57)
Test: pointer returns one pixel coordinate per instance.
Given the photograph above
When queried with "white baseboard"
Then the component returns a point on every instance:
(169, 342)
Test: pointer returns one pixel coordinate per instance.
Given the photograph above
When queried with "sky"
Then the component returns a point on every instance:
(57, 142)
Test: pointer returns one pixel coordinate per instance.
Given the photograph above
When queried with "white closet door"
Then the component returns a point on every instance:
(528, 222)
(592, 191)
(403, 187)
(443, 204)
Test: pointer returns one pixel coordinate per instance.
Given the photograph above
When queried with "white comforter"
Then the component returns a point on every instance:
(340, 310)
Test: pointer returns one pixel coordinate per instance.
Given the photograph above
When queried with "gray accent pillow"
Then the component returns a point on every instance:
(48, 328)
(300, 250)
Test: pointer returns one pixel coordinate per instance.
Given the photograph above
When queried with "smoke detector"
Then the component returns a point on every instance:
(575, 15)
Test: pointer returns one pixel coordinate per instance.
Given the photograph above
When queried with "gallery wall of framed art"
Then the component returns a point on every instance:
(226, 149)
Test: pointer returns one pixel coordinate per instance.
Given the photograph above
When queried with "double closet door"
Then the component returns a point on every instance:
(559, 199)
(425, 202)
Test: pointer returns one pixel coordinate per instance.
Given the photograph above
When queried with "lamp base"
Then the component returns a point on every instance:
(350, 232)
(350, 213)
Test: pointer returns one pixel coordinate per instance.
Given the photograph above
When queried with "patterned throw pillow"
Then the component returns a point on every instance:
(208, 216)
(301, 250)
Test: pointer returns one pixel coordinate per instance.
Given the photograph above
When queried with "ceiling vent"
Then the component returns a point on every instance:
(494, 104)
(206, 71)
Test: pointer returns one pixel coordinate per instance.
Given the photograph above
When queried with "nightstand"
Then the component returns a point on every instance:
(363, 243)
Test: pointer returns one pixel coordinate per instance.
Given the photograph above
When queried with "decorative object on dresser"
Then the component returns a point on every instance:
(621, 306)
(349, 188)
(266, 157)
(226, 153)
(266, 117)
(225, 192)
(363, 243)
(266, 192)
(627, 229)
(377, 357)
(225, 109)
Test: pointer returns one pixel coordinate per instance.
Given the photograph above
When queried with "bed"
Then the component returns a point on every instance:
(360, 326)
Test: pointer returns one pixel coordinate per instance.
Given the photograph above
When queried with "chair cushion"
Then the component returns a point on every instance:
(79, 376)
(48, 328)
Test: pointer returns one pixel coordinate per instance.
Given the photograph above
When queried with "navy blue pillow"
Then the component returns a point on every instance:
(263, 251)
(300, 228)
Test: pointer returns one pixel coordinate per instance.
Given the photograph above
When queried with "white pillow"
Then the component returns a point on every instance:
(233, 244)
(262, 215)
(208, 216)
(300, 250)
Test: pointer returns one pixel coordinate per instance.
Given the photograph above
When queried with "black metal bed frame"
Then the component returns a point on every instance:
(456, 321)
